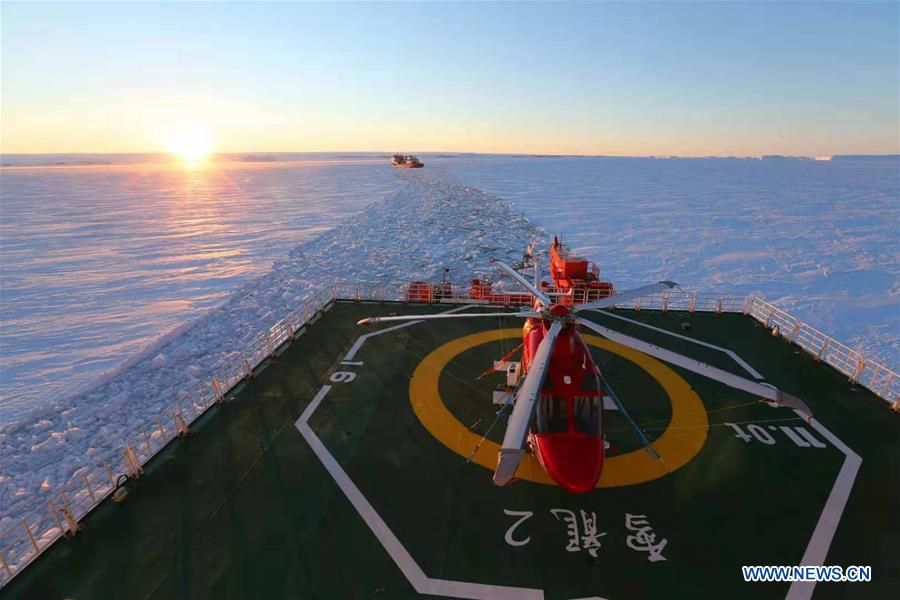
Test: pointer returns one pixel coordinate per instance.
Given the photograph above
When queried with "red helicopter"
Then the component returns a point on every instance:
(565, 387)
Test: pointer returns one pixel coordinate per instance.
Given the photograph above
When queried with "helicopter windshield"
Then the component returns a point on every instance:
(551, 414)
(587, 412)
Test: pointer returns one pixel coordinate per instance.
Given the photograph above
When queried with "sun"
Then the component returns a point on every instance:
(191, 145)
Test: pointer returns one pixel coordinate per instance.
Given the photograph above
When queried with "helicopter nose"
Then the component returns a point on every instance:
(573, 461)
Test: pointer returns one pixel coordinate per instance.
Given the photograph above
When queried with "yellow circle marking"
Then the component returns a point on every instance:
(678, 444)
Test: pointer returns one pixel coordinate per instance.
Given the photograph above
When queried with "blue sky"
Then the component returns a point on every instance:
(599, 78)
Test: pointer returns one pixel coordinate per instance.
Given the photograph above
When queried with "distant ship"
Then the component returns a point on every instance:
(400, 161)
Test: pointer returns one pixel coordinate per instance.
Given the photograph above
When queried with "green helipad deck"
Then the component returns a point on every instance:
(347, 468)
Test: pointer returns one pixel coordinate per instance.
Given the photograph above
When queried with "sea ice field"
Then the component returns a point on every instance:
(124, 281)
(820, 239)
(97, 261)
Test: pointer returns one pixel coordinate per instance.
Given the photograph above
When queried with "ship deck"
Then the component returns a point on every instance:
(346, 467)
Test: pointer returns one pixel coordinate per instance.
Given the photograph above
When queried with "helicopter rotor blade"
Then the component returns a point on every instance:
(627, 295)
(541, 296)
(757, 389)
(370, 320)
(512, 449)
(645, 442)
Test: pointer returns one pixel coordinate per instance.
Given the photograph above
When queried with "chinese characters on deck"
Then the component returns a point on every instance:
(583, 534)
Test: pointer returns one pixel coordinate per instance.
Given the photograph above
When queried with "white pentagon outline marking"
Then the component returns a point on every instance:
(815, 554)
(398, 553)
(740, 361)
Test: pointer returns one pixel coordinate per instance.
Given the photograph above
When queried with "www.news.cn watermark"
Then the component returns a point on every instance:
(783, 573)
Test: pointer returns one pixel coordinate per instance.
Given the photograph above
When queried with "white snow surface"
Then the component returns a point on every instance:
(416, 231)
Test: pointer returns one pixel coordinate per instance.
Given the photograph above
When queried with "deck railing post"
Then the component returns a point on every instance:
(5, 566)
(217, 389)
(718, 306)
(55, 512)
(637, 305)
(27, 529)
(665, 303)
(693, 303)
(131, 461)
(66, 510)
(857, 373)
(180, 425)
(109, 476)
(821, 352)
(147, 442)
(87, 484)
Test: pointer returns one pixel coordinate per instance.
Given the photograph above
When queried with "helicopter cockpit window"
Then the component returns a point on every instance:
(587, 411)
(551, 414)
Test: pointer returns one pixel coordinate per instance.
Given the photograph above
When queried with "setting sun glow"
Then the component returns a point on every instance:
(191, 145)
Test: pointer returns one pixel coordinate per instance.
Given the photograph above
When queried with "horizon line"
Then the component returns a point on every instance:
(465, 152)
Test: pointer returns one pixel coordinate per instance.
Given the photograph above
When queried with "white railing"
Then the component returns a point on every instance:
(866, 372)
(30, 535)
